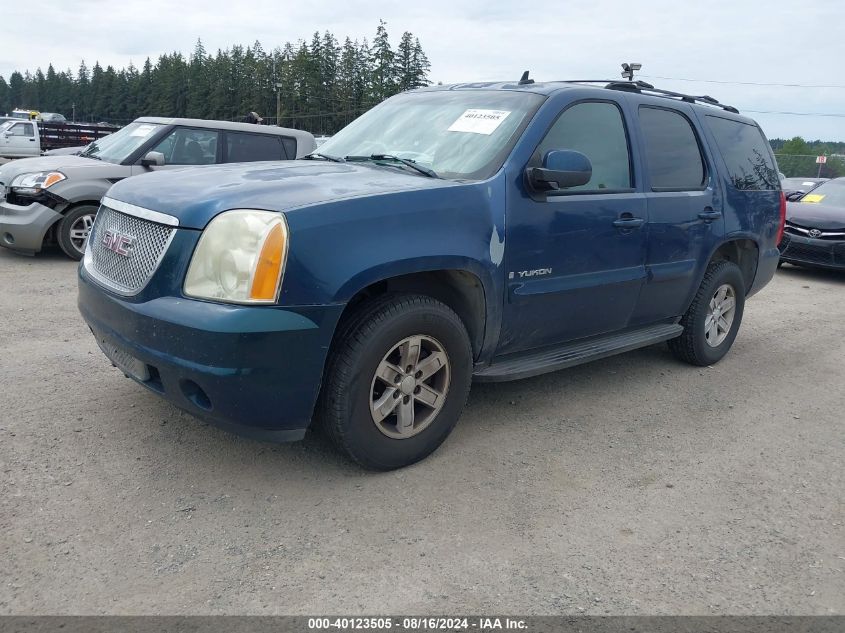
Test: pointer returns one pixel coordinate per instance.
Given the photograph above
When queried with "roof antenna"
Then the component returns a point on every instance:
(628, 70)
(525, 80)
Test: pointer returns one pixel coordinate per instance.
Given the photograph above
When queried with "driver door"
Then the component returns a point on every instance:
(189, 146)
(20, 139)
(576, 257)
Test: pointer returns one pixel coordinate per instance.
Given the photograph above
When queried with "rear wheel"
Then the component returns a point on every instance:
(712, 321)
(74, 228)
(396, 381)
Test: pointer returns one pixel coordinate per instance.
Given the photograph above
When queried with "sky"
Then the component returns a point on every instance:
(738, 42)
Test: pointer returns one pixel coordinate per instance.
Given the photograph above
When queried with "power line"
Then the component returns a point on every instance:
(830, 114)
(745, 83)
(836, 115)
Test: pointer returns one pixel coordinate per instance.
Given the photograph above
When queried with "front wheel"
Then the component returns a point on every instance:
(712, 321)
(396, 381)
(74, 228)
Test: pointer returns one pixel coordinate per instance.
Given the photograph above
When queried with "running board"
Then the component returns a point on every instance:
(530, 364)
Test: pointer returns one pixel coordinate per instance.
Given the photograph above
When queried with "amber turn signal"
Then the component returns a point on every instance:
(268, 268)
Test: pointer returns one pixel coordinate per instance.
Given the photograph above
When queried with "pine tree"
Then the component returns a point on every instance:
(404, 70)
(82, 92)
(5, 102)
(383, 83)
(16, 85)
(328, 71)
(420, 66)
(199, 88)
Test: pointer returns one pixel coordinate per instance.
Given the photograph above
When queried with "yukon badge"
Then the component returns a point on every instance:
(537, 272)
(120, 243)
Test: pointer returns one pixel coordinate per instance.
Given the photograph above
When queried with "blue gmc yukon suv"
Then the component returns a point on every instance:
(488, 231)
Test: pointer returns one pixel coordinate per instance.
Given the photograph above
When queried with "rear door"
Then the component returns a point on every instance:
(684, 209)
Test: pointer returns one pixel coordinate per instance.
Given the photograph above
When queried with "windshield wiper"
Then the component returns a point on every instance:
(88, 152)
(405, 161)
(334, 159)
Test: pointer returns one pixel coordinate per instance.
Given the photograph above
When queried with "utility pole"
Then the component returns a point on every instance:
(74, 113)
(278, 104)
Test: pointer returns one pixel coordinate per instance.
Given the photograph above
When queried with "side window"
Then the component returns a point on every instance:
(166, 146)
(189, 146)
(746, 154)
(673, 156)
(290, 147)
(22, 129)
(596, 130)
(245, 148)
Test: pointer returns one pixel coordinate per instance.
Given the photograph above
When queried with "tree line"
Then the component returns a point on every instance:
(797, 157)
(319, 85)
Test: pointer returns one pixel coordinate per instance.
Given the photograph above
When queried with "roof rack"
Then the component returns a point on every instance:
(643, 87)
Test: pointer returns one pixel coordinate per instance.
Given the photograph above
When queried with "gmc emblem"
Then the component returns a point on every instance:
(120, 243)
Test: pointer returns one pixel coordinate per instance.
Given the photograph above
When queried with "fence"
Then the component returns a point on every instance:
(805, 166)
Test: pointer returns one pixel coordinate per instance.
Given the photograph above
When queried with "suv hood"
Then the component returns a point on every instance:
(815, 215)
(196, 195)
(70, 166)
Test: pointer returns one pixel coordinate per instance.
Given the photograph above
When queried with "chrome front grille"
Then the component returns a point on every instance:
(128, 269)
(822, 234)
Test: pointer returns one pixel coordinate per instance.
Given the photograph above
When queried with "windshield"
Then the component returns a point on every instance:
(115, 148)
(5, 126)
(831, 192)
(462, 134)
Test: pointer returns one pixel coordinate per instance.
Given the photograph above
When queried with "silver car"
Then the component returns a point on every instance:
(57, 197)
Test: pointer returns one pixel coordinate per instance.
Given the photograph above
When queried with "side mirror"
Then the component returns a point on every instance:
(153, 159)
(562, 168)
(795, 196)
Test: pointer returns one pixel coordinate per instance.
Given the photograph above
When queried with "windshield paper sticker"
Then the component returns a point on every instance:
(813, 197)
(142, 130)
(479, 121)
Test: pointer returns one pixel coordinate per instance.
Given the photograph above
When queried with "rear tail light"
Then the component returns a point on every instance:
(782, 221)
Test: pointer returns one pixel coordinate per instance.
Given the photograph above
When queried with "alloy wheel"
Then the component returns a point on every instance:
(410, 386)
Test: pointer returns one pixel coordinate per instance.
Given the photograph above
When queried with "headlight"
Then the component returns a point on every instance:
(240, 258)
(33, 184)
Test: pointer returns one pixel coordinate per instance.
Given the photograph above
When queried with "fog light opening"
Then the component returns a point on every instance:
(193, 392)
(8, 238)
(154, 381)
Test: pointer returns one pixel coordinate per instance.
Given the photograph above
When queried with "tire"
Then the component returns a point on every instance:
(73, 230)
(697, 345)
(379, 337)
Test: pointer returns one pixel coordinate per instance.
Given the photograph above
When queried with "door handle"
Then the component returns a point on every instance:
(708, 215)
(628, 221)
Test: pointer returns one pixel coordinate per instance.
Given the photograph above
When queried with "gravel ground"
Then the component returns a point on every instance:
(633, 485)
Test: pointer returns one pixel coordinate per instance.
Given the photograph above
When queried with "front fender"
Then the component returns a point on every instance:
(340, 248)
(75, 191)
(391, 270)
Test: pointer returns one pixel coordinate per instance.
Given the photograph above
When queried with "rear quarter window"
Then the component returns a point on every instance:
(746, 154)
(290, 147)
(245, 147)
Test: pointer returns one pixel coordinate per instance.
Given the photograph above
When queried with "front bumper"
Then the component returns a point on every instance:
(255, 371)
(825, 253)
(22, 228)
